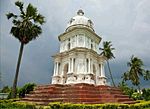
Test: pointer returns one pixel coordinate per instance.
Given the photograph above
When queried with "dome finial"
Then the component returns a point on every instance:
(80, 12)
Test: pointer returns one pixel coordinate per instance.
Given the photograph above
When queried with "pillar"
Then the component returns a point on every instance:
(89, 65)
(72, 64)
(102, 70)
(69, 66)
(54, 69)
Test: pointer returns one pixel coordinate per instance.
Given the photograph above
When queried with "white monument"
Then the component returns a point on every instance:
(78, 60)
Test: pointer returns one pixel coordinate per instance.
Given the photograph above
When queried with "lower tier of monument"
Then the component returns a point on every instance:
(77, 93)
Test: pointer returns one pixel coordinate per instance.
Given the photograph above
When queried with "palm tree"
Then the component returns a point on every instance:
(135, 71)
(26, 27)
(147, 75)
(107, 52)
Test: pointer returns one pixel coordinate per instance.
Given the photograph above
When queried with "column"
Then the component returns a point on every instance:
(54, 69)
(84, 38)
(102, 70)
(89, 65)
(71, 64)
(85, 65)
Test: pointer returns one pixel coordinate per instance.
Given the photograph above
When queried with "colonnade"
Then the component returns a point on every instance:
(79, 40)
(72, 67)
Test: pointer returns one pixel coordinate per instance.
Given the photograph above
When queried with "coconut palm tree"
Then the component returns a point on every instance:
(107, 52)
(147, 75)
(26, 27)
(135, 71)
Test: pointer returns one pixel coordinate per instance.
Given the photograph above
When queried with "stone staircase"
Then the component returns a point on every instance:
(77, 93)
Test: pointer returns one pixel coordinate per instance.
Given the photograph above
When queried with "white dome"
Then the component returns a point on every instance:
(80, 21)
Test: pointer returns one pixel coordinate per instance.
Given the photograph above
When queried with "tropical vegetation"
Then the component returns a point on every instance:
(26, 27)
(13, 104)
(107, 52)
(136, 72)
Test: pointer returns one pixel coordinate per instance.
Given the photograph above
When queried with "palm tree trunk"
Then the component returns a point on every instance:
(110, 74)
(14, 90)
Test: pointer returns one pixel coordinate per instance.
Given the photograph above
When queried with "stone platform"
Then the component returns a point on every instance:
(77, 93)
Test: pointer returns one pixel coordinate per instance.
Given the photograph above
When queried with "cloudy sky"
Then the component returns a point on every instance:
(124, 22)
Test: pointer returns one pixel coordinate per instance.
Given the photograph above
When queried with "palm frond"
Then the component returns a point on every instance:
(10, 15)
(20, 5)
(16, 22)
(31, 11)
(39, 19)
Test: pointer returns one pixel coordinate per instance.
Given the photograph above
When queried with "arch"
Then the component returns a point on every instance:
(94, 69)
(65, 71)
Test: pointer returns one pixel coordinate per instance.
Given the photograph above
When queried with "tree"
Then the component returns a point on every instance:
(5, 89)
(147, 75)
(135, 71)
(107, 52)
(26, 27)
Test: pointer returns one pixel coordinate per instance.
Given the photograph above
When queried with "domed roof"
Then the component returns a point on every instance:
(80, 21)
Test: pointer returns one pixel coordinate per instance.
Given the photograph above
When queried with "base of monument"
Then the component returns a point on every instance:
(77, 93)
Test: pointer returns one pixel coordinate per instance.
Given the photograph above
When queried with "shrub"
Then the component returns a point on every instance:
(5, 89)
(146, 94)
(136, 96)
(26, 89)
(12, 104)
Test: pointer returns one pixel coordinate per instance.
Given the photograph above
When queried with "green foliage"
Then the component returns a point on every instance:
(136, 71)
(107, 52)
(125, 89)
(132, 93)
(10, 93)
(136, 96)
(12, 104)
(142, 105)
(26, 25)
(5, 89)
(26, 89)
(146, 94)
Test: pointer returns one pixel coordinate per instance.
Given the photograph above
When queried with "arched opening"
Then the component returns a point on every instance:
(65, 70)
(94, 69)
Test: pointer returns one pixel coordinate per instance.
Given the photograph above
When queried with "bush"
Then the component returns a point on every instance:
(12, 104)
(137, 96)
(125, 89)
(146, 94)
(5, 89)
(26, 89)
(56, 105)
